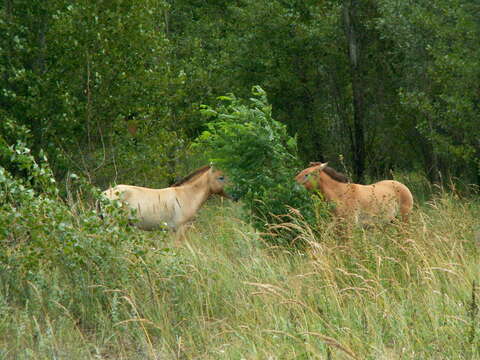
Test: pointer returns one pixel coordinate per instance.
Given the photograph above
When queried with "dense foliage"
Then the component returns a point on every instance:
(260, 158)
(104, 88)
(44, 236)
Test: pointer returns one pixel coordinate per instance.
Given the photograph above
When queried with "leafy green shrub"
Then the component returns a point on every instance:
(43, 237)
(260, 158)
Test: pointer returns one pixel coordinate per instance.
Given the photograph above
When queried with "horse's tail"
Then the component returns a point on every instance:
(98, 209)
(406, 201)
(98, 203)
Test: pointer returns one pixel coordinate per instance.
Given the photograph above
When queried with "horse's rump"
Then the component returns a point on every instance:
(379, 201)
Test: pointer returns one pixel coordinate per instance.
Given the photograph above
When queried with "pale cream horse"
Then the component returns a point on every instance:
(361, 204)
(171, 207)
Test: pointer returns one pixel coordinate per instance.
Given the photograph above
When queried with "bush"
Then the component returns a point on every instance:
(260, 158)
(44, 237)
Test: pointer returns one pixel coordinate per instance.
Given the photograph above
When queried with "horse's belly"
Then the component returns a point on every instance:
(371, 219)
(149, 225)
(378, 214)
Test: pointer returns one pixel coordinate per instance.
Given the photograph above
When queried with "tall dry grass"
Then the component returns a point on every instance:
(396, 292)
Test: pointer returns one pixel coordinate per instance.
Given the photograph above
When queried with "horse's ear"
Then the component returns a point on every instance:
(318, 163)
(323, 166)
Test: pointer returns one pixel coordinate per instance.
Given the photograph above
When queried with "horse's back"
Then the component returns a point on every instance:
(130, 192)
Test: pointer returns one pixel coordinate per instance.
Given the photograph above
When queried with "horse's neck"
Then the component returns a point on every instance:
(195, 193)
(330, 188)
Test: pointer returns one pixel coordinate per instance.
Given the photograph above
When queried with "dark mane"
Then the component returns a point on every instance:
(194, 174)
(334, 174)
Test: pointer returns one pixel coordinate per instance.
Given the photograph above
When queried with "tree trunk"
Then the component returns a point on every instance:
(431, 163)
(39, 67)
(358, 146)
(427, 153)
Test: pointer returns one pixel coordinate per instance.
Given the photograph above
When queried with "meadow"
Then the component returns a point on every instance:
(396, 292)
(94, 94)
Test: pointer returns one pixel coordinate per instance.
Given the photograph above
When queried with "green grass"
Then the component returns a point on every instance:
(401, 292)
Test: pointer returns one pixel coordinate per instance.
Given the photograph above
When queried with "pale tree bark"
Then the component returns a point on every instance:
(350, 8)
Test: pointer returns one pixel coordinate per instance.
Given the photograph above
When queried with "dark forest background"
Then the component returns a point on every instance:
(112, 89)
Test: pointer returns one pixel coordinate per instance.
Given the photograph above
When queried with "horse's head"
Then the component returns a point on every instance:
(217, 181)
(309, 177)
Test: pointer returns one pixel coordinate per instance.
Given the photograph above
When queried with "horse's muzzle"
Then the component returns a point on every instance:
(298, 187)
(225, 195)
(229, 196)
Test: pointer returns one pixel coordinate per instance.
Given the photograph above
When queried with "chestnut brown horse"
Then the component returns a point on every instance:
(172, 207)
(357, 203)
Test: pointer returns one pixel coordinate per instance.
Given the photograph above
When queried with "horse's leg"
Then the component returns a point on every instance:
(404, 214)
(343, 227)
(406, 204)
(179, 235)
